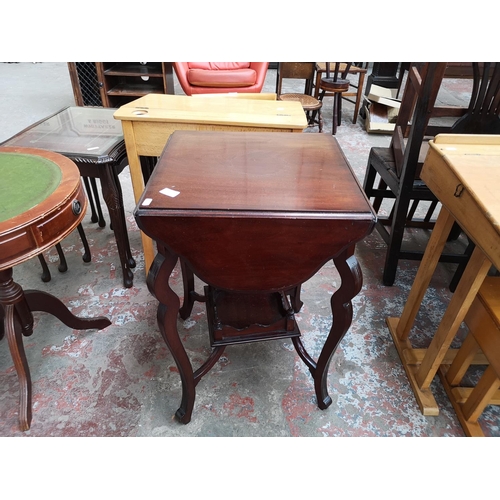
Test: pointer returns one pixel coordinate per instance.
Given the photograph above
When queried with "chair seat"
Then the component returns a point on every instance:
(222, 78)
(307, 102)
(330, 85)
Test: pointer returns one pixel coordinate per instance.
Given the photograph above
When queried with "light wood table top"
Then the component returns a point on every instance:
(463, 171)
(149, 121)
(261, 113)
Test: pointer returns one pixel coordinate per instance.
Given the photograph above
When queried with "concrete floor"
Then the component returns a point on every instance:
(122, 381)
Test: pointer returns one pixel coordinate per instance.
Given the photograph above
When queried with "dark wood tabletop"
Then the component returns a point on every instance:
(252, 215)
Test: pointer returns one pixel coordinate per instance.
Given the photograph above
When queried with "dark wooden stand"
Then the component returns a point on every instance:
(254, 219)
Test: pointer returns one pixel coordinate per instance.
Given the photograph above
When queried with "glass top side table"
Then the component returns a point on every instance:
(93, 139)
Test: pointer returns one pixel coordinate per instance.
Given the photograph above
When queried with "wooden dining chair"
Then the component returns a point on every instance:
(480, 346)
(354, 95)
(396, 168)
(300, 71)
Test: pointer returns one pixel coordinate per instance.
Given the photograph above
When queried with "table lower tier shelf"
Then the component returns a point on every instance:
(235, 318)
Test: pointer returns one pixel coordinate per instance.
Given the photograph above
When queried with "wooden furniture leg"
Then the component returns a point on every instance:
(138, 186)
(190, 296)
(100, 220)
(421, 365)
(483, 321)
(93, 217)
(352, 280)
(18, 321)
(168, 307)
(113, 197)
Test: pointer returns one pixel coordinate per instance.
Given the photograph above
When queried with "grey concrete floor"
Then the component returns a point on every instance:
(371, 393)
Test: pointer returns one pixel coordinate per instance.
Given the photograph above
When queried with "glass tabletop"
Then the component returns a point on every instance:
(74, 132)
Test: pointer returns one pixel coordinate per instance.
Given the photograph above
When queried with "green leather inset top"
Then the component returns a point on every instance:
(25, 181)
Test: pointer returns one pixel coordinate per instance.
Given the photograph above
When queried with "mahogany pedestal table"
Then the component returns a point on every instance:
(463, 171)
(41, 202)
(252, 215)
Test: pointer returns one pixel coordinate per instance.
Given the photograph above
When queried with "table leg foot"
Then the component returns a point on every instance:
(128, 277)
(182, 417)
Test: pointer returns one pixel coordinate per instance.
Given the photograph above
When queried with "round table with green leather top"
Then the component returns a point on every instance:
(41, 202)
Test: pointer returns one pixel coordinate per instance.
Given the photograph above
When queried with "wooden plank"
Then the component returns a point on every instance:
(416, 356)
(461, 395)
(433, 251)
(467, 288)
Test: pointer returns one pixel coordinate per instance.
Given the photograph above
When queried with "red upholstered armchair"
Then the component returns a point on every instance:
(220, 77)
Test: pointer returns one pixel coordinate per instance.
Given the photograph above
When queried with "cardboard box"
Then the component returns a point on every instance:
(381, 110)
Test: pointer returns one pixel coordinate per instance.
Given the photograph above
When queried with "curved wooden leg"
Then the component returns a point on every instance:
(90, 197)
(46, 277)
(43, 301)
(86, 257)
(63, 265)
(101, 221)
(158, 285)
(114, 201)
(352, 280)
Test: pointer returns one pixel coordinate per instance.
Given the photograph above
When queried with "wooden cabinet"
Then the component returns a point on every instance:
(112, 84)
